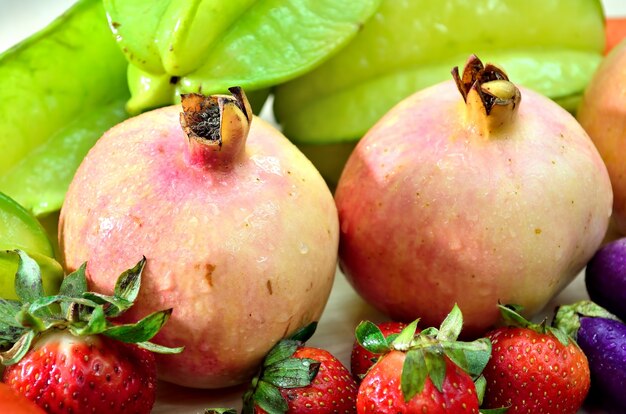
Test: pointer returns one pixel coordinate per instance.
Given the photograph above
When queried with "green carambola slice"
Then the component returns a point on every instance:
(177, 46)
(67, 83)
(552, 46)
(21, 230)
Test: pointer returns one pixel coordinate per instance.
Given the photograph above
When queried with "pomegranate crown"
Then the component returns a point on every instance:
(491, 99)
(216, 126)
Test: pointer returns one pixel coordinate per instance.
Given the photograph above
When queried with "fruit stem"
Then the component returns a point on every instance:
(491, 99)
(216, 126)
(567, 317)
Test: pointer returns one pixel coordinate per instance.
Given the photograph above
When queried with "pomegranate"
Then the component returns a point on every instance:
(603, 115)
(473, 198)
(239, 230)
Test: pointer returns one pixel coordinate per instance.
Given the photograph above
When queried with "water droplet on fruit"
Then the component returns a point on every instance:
(455, 243)
(304, 249)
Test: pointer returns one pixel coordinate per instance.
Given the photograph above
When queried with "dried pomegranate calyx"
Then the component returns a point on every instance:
(216, 126)
(492, 100)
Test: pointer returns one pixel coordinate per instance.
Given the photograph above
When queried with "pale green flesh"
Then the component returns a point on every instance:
(409, 45)
(51, 274)
(40, 180)
(61, 89)
(347, 114)
(254, 44)
(20, 230)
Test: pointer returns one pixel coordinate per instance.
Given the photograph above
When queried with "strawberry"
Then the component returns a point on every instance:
(76, 360)
(381, 390)
(361, 359)
(534, 368)
(68, 374)
(422, 372)
(298, 379)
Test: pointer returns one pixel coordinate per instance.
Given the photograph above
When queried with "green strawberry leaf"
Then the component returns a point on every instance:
(431, 331)
(73, 285)
(436, 366)
(140, 331)
(9, 335)
(292, 372)
(160, 349)
(220, 411)
(282, 350)
(19, 349)
(405, 337)
(451, 326)
(305, 333)
(511, 315)
(10, 328)
(471, 357)
(30, 321)
(129, 282)
(46, 301)
(370, 337)
(481, 385)
(413, 374)
(390, 338)
(559, 335)
(114, 306)
(28, 284)
(8, 310)
(96, 323)
(269, 398)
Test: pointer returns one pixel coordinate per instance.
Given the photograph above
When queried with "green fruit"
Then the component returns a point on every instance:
(409, 45)
(60, 90)
(21, 230)
(177, 46)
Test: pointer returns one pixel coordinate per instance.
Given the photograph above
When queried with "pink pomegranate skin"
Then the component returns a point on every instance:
(433, 212)
(603, 115)
(245, 255)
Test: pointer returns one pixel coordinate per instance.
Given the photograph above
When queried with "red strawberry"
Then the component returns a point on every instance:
(298, 379)
(92, 374)
(361, 359)
(80, 362)
(422, 372)
(380, 391)
(534, 369)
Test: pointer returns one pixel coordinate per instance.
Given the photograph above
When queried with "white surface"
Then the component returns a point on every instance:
(19, 18)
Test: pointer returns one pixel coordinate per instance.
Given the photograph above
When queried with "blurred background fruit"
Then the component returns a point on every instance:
(19, 229)
(409, 45)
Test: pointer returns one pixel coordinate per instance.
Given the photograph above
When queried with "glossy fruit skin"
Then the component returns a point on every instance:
(332, 391)
(380, 392)
(243, 254)
(14, 403)
(535, 373)
(19, 229)
(603, 115)
(604, 343)
(64, 374)
(410, 45)
(361, 359)
(209, 46)
(48, 123)
(432, 213)
(605, 277)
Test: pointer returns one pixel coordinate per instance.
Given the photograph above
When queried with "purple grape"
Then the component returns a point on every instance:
(605, 277)
(604, 343)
